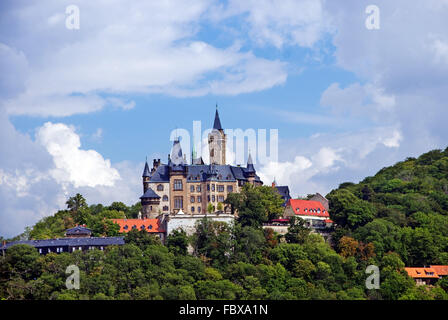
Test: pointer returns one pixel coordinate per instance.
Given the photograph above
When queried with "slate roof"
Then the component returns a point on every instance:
(150, 194)
(78, 230)
(250, 165)
(283, 191)
(161, 174)
(223, 173)
(217, 123)
(177, 157)
(70, 242)
(146, 172)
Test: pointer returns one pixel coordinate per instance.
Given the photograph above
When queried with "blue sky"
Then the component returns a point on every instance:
(81, 109)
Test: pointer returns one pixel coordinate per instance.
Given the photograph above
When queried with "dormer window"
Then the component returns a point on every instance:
(160, 187)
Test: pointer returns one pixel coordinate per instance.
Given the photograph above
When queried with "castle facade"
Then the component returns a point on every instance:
(189, 188)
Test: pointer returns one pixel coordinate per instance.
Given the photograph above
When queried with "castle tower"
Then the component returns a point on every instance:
(150, 204)
(146, 177)
(217, 142)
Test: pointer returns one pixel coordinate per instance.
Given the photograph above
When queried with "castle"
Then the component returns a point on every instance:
(179, 187)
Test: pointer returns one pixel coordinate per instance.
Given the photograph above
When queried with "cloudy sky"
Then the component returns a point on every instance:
(80, 109)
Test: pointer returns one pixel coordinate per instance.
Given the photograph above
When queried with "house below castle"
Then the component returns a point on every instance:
(76, 239)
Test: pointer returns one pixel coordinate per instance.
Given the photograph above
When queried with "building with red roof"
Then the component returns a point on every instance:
(423, 275)
(313, 212)
(154, 226)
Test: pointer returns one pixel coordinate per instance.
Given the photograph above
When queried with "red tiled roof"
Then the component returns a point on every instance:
(150, 225)
(308, 208)
(328, 221)
(422, 273)
(440, 270)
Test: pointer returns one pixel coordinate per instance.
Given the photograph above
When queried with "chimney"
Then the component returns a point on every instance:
(155, 163)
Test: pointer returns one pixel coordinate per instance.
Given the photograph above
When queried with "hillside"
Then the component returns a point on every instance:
(403, 208)
(397, 218)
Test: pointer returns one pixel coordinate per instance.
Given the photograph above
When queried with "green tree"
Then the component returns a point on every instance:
(177, 242)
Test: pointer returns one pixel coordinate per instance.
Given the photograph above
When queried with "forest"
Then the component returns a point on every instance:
(397, 218)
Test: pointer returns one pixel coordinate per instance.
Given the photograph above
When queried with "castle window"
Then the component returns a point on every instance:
(150, 227)
(229, 177)
(165, 208)
(220, 198)
(177, 184)
(229, 188)
(192, 209)
(142, 227)
(125, 227)
(199, 199)
(220, 188)
(199, 209)
(220, 177)
(208, 198)
(159, 187)
(208, 187)
(213, 198)
(198, 188)
(178, 202)
(165, 198)
(134, 227)
(191, 188)
(213, 187)
(192, 199)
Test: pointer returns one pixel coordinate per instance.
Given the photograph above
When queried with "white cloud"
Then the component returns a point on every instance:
(72, 164)
(357, 99)
(143, 47)
(278, 23)
(37, 177)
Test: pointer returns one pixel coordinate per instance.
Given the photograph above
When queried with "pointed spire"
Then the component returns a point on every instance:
(176, 153)
(217, 123)
(250, 164)
(146, 170)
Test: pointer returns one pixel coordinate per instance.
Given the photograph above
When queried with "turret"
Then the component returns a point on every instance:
(146, 176)
(150, 204)
(250, 169)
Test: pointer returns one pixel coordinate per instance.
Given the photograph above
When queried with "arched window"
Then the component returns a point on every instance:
(160, 187)
(165, 198)
(165, 208)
